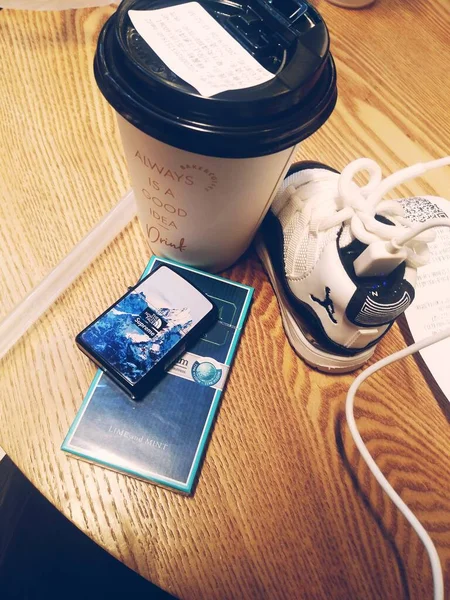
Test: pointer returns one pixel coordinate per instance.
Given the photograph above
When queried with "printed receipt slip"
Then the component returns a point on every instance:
(162, 437)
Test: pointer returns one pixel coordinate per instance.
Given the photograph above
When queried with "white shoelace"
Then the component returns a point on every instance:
(331, 199)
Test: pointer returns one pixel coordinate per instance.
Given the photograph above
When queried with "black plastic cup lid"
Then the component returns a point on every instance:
(287, 37)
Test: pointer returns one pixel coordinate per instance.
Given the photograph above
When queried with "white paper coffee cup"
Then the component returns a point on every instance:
(205, 169)
(197, 209)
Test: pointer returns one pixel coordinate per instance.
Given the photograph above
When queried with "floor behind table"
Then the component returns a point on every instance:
(43, 556)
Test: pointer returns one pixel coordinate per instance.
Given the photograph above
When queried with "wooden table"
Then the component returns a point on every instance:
(285, 507)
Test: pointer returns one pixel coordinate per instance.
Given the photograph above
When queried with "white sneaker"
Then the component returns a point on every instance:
(343, 261)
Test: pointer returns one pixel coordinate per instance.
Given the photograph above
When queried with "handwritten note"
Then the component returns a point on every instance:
(198, 49)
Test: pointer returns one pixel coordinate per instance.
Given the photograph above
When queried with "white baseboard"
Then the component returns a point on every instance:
(2, 454)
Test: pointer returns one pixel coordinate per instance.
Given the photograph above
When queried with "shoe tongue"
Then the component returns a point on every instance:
(312, 177)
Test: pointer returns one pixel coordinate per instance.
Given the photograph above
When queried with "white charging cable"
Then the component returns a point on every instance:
(436, 568)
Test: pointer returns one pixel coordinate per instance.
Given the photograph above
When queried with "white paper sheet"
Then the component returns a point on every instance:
(197, 49)
(430, 311)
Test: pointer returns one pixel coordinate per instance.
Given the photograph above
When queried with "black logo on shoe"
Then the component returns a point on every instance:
(375, 308)
(327, 303)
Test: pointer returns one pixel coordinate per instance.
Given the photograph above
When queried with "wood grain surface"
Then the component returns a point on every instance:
(285, 507)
